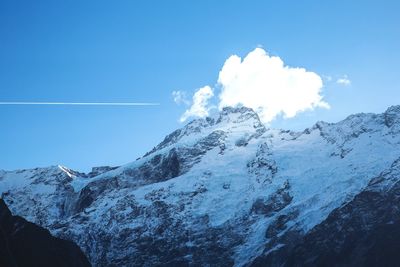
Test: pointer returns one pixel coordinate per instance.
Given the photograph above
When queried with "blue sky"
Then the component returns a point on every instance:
(128, 51)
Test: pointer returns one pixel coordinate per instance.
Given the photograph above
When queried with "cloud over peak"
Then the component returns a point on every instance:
(200, 107)
(263, 83)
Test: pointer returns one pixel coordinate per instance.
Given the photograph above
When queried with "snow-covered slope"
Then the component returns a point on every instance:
(220, 191)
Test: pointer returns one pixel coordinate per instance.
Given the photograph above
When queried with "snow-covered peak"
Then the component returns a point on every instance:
(362, 122)
(229, 120)
(37, 181)
(359, 124)
(238, 115)
(393, 110)
(392, 118)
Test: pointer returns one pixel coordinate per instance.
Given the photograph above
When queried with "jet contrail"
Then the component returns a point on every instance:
(84, 103)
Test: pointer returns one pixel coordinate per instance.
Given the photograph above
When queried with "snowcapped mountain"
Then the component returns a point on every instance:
(227, 191)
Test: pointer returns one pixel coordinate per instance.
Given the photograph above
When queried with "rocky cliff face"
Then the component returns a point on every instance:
(25, 244)
(363, 232)
(227, 191)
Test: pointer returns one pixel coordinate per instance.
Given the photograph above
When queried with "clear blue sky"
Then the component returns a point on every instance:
(143, 50)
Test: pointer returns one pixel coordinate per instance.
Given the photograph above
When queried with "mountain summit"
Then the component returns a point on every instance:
(227, 191)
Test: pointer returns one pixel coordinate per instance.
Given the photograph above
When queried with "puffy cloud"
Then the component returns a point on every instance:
(200, 107)
(344, 80)
(264, 83)
(180, 97)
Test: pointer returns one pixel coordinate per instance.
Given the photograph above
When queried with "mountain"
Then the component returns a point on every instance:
(25, 244)
(227, 191)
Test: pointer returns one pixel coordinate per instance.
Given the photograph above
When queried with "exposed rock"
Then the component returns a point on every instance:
(274, 202)
(363, 232)
(100, 170)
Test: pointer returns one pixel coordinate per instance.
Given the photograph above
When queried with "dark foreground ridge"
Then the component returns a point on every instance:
(23, 243)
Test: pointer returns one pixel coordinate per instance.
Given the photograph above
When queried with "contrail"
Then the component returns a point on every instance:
(84, 103)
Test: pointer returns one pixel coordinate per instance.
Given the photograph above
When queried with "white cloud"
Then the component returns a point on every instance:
(200, 107)
(344, 80)
(180, 97)
(264, 83)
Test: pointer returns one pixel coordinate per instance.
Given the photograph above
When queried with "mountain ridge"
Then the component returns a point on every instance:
(220, 191)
